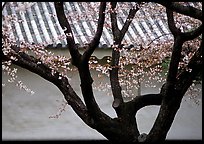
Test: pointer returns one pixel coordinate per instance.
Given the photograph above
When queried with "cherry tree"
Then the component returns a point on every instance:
(126, 67)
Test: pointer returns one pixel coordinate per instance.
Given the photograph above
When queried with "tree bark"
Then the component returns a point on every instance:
(173, 91)
(123, 128)
(118, 36)
(186, 10)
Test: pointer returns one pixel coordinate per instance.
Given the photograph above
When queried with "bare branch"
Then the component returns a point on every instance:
(118, 36)
(128, 21)
(116, 90)
(177, 47)
(115, 85)
(174, 90)
(186, 10)
(87, 91)
(32, 64)
(114, 79)
(192, 34)
(145, 100)
(179, 39)
(175, 58)
(170, 18)
(68, 32)
(115, 29)
(82, 65)
(157, 38)
(94, 43)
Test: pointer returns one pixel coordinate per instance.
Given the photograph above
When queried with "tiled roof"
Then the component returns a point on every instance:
(38, 24)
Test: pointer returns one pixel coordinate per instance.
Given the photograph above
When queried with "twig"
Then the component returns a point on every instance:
(158, 38)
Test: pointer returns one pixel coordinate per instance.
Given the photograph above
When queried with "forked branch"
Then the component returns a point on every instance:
(118, 36)
(76, 56)
(186, 10)
(95, 41)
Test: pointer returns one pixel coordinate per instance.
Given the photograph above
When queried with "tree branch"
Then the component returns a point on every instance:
(94, 43)
(186, 10)
(32, 64)
(175, 58)
(114, 79)
(170, 18)
(194, 67)
(176, 31)
(82, 63)
(87, 92)
(115, 85)
(118, 36)
(76, 56)
(177, 47)
(165, 118)
(174, 90)
(129, 19)
(175, 86)
(157, 38)
(113, 14)
(145, 100)
(116, 90)
(192, 34)
(179, 39)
